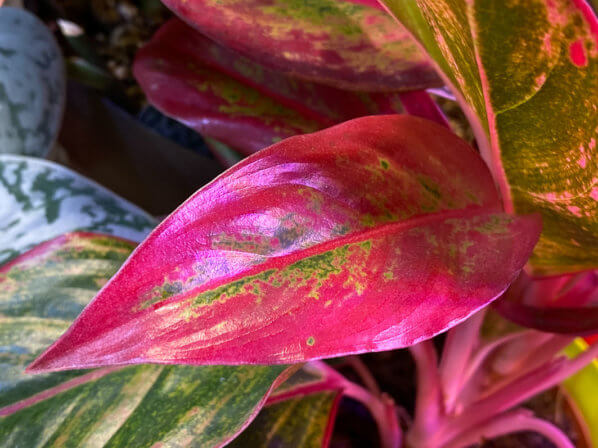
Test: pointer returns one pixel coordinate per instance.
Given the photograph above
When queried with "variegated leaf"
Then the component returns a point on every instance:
(340, 43)
(235, 100)
(299, 413)
(303, 421)
(40, 200)
(527, 72)
(32, 84)
(41, 292)
(369, 235)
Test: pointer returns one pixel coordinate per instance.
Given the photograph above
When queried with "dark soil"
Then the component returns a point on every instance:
(113, 31)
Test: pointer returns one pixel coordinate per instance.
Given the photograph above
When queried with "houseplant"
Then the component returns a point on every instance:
(375, 234)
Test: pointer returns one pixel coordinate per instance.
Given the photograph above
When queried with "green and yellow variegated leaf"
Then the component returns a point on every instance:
(338, 43)
(528, 72)
(300, 412)
(41, 292)
(301, 422)
(40, 200)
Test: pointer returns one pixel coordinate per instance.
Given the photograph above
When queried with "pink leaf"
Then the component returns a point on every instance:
(370, 235)
(343, 44)
(421, 104)
(566, 304)
(581, 321)
(224, 95)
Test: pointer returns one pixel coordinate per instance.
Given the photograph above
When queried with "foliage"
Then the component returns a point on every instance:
(357, 230)
(32, 84)
(542, 162)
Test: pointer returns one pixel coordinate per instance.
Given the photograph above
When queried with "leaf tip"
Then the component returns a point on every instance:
(42, 364)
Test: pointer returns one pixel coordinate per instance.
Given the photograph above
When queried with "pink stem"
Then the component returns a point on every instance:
(517, 421)
(546, 351)
(382, 408)
(518, 391)
(456, 354)
(486, 350)
(383, 411)
(419, 104)
(428, 408)
(476, 371)
(365, 375)
(512, 356)
(539, 356)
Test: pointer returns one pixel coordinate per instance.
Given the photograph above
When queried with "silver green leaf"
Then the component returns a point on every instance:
(32, 84)
(40, 200)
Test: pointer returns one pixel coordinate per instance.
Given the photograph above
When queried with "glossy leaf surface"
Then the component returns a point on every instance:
(351, 239)
(528, 71)
(344, 44)
(41, 292)
(235, 100)
(40, 200)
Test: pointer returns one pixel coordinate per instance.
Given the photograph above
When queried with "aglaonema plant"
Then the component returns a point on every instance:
(373, 233)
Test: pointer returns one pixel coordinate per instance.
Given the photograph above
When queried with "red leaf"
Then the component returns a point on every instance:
(370, 235)
(420, 104)
(232, 99)
(339, 43)
(566, 320)
(566, 304)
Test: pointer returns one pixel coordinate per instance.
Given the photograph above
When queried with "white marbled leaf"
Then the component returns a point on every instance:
(32, 84)
(40, 200)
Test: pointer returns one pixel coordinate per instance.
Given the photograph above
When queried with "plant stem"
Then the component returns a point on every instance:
(428, 409)
(486, 350)
(365, 375)
(537, 349)
(513, 394)
(383, 411)
(456, 354)
(381, 407)
(512, 356)
(517, 421)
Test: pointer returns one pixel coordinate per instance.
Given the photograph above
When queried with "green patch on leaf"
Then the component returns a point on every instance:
(528, 70)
